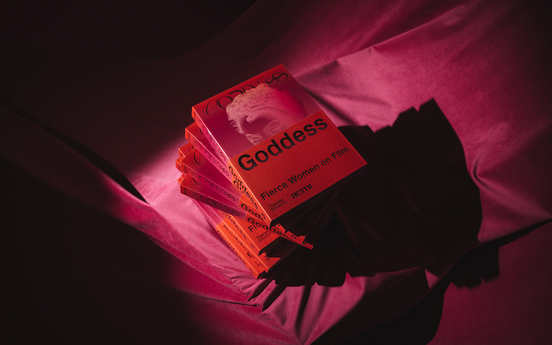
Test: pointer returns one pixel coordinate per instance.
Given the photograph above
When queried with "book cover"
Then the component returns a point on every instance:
(258, 264)
(239, 240)
(258, 239)
(280, 148)
(190, 187)
(216, 220)
(255, 267)
(184, 149)
(196, 166)
(199, 192)
(197, 139)
(200, 170)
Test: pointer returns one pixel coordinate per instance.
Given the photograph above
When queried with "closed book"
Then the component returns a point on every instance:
(196, 190)
(255, 267)
(258, 264)
(194, 165)
(267, 262)
(184, 149)
(281, 150)
(198, 167)
(196, 138)
(216, 221)
(258, 239)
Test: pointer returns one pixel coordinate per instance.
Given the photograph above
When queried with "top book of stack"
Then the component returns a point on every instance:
(281, 149)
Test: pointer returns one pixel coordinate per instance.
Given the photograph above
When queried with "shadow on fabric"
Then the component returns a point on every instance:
(414, 204)
(419, 325)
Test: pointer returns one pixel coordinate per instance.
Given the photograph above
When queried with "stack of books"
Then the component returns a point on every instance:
(264, 164)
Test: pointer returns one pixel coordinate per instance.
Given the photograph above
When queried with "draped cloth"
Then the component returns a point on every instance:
(449, 103)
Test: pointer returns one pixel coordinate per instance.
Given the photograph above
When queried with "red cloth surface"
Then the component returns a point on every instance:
(449, 102)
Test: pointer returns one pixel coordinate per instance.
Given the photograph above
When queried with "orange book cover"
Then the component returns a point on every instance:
(251, 219)
(202, 193)
(200, 170)
(257, 238)
(279, 146)
(240, 242)
(255, 267)
(184, 149)
(216, 220)
(196, 138)
(196, 166)
(299, 228)
(236, 237)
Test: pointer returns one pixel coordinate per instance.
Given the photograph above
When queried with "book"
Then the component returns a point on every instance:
(202, 170)
(193, 164)
(267, 262)
(196, 190)
(196, 166)
(254, 266)
(280, 148)
(185, 149)
(258, 264)
(201, 193)
(198, 140)
(259, 240)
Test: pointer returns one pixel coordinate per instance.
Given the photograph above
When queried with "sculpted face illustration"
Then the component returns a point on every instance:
(262, 112)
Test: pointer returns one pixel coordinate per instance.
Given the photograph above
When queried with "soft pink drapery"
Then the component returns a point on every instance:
(486, 65)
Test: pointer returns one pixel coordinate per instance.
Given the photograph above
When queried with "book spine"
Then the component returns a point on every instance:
(212, 215)
(198, 167)
(256, 269)
(178, 164)
(279, 230)
(237, 180)
(256, 238)
(201, 170)
(210, 138)
(184, 150)
(240, 247)
(197, 191)
(195, 138)
(281, 249)
(206, 199)
(216, 219)
(224, 192)
(234, 236)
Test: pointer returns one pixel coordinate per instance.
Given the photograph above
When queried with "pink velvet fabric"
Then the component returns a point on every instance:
(91, 141)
